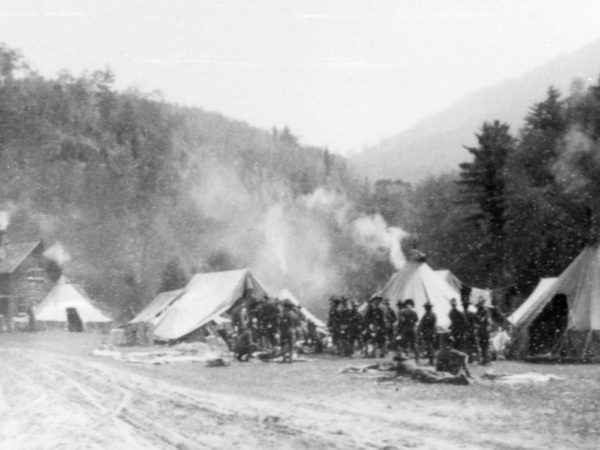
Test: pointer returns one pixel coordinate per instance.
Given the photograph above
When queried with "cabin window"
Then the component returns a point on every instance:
(35, 274)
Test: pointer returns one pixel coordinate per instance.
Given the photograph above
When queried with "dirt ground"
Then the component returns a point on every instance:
(55, 395)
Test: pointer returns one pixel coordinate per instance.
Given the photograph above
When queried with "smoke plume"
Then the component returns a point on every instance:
(374, 233)
(58, 254)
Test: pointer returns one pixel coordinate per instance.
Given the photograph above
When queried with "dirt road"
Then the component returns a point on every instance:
(57, 396)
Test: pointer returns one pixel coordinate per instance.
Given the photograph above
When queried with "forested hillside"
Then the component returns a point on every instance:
(142, 193)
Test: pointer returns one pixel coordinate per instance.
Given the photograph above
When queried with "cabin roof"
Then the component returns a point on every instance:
(16, 254)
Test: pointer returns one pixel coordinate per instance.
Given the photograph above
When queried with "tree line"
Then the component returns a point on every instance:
(126, 181)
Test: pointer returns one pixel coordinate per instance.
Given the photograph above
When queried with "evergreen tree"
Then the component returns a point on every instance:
(483, 184)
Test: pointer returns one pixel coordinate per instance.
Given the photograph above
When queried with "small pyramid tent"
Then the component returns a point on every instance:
(63, 296)
(285, 294)
(204, 299)
(417, 281)
(517, 317)
(565, 318)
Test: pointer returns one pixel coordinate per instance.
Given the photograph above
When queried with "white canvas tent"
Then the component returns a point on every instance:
(523, 311)
(153, 312)
(204, 299)
(66, 295)
(449, 278)
(286, 294)
(567, 313)
(417, 281)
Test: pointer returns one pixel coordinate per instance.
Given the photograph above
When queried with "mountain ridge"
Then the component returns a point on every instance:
(436, 143)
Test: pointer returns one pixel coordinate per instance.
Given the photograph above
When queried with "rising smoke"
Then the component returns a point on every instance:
(58, 254)
(288, 242)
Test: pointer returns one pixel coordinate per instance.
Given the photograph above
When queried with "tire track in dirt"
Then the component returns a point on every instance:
(175, 415)
(300, 418)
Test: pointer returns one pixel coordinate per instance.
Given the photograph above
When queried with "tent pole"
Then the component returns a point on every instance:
(588, 339)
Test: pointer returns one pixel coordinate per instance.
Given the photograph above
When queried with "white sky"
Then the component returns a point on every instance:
(341, 73)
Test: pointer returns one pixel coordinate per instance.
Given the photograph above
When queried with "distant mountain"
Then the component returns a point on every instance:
(436, 144)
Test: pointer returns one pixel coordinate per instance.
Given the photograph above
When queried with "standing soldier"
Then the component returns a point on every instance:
(482, 318)
(470, 332)
(287, 330)
(390, 321)
(345, 317)
(269, 318)
(355, 329)
(375, 326)
(457, 326)
(333, 322)
(427, 330)
(408, 319)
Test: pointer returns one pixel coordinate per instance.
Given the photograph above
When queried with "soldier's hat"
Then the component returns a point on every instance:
(375, 298)
(287, 303)
(480, 301)
(334, 299)
(400, 302)
(427, 304)
(453, 301)
(409, 301)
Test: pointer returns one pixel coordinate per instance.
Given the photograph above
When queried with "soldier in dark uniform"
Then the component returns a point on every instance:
(482, 319)
(457, 325)
(244, 345)
(407, 321)
(451, 360)
(375, 327)
(333, 322)
(427, 330)
(355, 329)
(406, 368)
(269, 319)
(345, 318)
(288, 323)
(470, 330)
(390, 322)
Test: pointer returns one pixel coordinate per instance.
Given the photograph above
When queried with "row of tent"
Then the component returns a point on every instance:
(561, 316)
(205, 299)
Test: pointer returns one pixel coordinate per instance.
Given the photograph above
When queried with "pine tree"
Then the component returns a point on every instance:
(483, 184)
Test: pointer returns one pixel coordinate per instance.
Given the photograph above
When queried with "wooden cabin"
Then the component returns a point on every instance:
(24, 279)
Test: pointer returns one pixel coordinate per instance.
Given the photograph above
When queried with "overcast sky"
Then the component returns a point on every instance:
(342, 74)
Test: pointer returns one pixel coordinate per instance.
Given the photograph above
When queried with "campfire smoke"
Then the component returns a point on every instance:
(58, 254)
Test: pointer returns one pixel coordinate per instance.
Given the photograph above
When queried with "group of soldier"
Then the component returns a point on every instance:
(268, 324)
(470, 330)
(376, 328)
(379, 328)
(373, 329)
